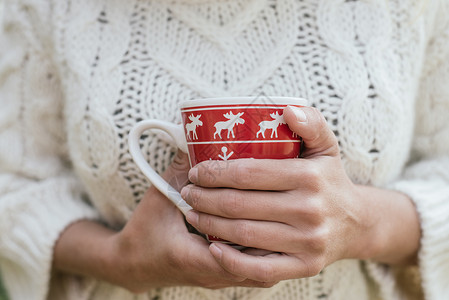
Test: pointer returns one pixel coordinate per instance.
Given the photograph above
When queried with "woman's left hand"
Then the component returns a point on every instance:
(306, 211)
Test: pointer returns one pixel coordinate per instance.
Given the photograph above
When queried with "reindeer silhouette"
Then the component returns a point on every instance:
(273, 125)
(229, 124)
(191, 127)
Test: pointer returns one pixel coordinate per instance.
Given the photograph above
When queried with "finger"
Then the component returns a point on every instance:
(254, 174)
(272, 236)
(273, 267)
(311, 125)
(237, 204)
(176, 173)
(257, 252)
(282, 207)
(180, 163)
(194, 258)
(254, 283)
(245, 283)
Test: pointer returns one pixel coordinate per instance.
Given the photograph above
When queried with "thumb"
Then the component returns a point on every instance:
(311, 125)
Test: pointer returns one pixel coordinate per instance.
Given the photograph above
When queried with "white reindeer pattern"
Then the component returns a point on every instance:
(273, 125)
(229, 124)
(191, 127)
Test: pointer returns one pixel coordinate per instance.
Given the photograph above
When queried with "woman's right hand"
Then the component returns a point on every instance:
(154, 249)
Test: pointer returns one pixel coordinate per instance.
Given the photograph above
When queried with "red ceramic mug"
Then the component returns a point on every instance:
(225, 128)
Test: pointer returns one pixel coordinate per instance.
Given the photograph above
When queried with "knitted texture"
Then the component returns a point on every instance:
(75, 76)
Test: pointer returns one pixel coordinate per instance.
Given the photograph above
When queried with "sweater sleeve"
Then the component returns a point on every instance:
(39, 194)
(426, 178)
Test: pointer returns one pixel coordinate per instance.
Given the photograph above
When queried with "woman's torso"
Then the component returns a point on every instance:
(124, 61)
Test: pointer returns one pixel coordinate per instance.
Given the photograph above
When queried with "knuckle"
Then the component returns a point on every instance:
(317, 211)
(297, 208)
(245, 233)
(241, 174)
(311, 209)
(319, 240)
(312, 265)
(208, 178)
(316, 266)
(206, 175)
(313, 177)
(175, 260)
(205, 223)
(232, 203)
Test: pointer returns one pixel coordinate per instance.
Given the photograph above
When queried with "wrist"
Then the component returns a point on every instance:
(390, 232)
(367, 239)
(112, 260)
(124, 266)
(83, 249)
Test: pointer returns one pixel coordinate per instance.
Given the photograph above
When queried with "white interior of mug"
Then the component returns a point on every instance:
(257, 100)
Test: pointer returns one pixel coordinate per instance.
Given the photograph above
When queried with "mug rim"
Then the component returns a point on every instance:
(279, 100)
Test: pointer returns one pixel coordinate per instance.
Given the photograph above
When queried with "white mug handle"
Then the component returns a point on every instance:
(176, 132)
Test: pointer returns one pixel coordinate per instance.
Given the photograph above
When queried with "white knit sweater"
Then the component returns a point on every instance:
(75, 76)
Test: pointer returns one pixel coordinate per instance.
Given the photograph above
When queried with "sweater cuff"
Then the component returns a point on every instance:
(431, 199)
(31, 221)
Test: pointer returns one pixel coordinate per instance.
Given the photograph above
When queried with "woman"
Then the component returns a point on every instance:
(349, 220)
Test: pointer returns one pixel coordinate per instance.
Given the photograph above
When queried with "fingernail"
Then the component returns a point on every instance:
(185, 192)
(299, 114)
(193, 175)
(192, 217)
(216, 252)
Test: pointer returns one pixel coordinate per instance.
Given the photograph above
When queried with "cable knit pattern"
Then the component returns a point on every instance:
(75, 76)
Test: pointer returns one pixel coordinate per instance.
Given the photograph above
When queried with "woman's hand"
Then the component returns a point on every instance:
(154, 249)
(306, 211)
(160, 251)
